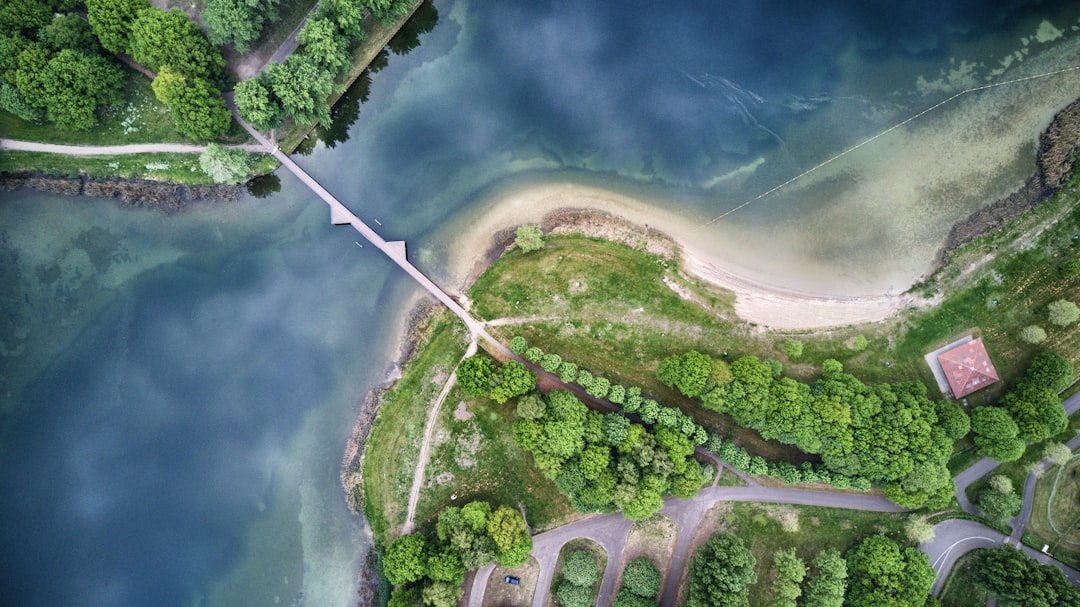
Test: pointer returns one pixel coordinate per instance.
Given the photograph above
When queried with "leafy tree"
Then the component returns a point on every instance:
(348, 15)
(1070, 268)
(1051, 371)
(405, 560)
(827, 588)
(72, 86)
(507, 528)
(518, 345)
(160, 38)
(600, 387)
(720, 573)
(579, 568)
(257, 105)
(322, 43)
(112, 21)
(1063, 313)
(617, 394)
(568, 372)
(616, 428)
(859, 343)
(531, 406)
(197, 107)
(529, 238)
(550, 362)
(446, 567)
(237, 21)
(1016, 579)
(517, 379)
(572, 595)
(225, 165)
(1057, 453)
(885, 574)
(23, 15)
(919, 530)
(534, 354)
(793, 348)
(689, 372)
(70, 32)
(387, 10)
(405, 597)
(12, 101)
(996, 434)
(999, 501)
(625, 598)
(302, 87)
(953, 420)
(442, 594)
(1032, 334)
(474, 375)
(641, 577)
(790, 571)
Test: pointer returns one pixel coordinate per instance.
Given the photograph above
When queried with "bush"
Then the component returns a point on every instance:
(919, 530)
(534, 355)
(550, 362)
(518, 345)
(1070, 268)
(642, 578)
(571, 595)
(793, 348)
(568, 372)
(529, 238)
(1063, 313)
(860, 343)
(579, 568)
(1032, 334)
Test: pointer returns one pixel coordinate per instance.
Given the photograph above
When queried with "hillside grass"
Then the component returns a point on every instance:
(390, 455)
(172, 168)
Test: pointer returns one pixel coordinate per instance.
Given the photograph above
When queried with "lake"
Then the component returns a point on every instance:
(177, 391)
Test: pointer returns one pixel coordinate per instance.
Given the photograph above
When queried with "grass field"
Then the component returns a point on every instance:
(392, 446)
(959, 591)
(173, 168)
(1055, 517)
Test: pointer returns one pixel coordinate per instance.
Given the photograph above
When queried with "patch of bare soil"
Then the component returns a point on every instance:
(653, 539)
(500, 594)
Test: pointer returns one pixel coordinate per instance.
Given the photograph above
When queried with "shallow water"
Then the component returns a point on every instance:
(177, 391)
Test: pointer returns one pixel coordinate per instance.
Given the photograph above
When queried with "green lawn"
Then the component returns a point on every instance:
(1055, 516)
(392, 446)
(959, 590)
(173, 168)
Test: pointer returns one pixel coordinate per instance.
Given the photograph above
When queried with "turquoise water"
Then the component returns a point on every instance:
(177, 390)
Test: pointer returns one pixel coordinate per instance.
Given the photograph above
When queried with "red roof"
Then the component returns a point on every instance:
(968, 368)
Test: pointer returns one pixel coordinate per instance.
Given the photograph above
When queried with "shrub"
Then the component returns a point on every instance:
(534, 354)
(1033, 334)
(579, 568)
(860, 343)
(642, 578)
(919, 530)
(793, 348)
(1070, 268)
(568, 372)
(1063, 313)
(550, 362)
(518, 345)
(572, 595)
(529, 238)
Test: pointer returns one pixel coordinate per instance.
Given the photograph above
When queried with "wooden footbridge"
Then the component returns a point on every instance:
(395, 250)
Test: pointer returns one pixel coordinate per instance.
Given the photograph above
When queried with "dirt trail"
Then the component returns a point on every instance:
(114, 150)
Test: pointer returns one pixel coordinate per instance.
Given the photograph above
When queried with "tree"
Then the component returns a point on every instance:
(579, 568)
(73, 85)
(1013, 577)
(1051, 371)
(197, 107)
(160, 38)
(405, 597)
(302, 87)
(446, 567)
(919, 530)
(550, 362)
(529, 238)
(688, 372)
(1057, 453)
(387, 10)
(642, 578)
(518, 345)
(507, 528)
(996, 434)
(348, 15)
(568, 372)
(534, 354)
(442, 594)
(720, 573)
(111, 21)
(71, 32)
(827, 588)
(474, 375)
(625, 598)
(999, 502)
(1070, 268)
(793, 348)
(225, 165)
(859, 343)
(572, 595)
(953, 420)
(23, 15)
(257, 105)
(12, 101)
(404, 560)
(1063, 313)
(531, 406)
(790, 571)
(1032, 334)
(237, 21)
(321, 42)
(884, 574)
(517, 379)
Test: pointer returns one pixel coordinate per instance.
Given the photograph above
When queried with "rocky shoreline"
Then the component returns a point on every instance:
(168, 197)
(1054, 160)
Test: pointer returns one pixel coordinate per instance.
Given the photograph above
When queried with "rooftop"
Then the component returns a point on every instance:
(967, 367)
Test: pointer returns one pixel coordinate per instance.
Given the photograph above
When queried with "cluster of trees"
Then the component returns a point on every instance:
(882, 573)
(1031, 411)
(1018, 580)
(52, 67)
(650, 411)
(999, 501)
(1061, 313)
(640, 584)
(805, 472)
(300, 87)
(431, 570)
(827, 588)
(887, 433)
(479, 376)
(604, 462)
(579, 572)
(188, 67)
(721, 573)
(788, 573)
(240, 22)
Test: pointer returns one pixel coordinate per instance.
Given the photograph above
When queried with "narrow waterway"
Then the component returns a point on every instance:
(177, 391)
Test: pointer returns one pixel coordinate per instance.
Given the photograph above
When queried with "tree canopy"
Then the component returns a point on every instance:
(885, 574)
(996, 435)
(720, 573)
(1016, 579)
(240, 22)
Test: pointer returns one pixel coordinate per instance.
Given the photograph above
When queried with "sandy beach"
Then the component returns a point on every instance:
(757, 301)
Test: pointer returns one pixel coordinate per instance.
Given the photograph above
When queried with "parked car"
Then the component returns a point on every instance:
(511, 580)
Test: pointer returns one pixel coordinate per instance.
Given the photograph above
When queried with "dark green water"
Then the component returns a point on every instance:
(178, 390)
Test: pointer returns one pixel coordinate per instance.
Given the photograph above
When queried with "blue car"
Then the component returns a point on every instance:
(511, 580)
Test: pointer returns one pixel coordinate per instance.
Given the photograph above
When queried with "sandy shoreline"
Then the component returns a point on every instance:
(757, 301)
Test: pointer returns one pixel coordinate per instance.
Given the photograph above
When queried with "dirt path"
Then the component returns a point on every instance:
(114, 150)
(425, 446)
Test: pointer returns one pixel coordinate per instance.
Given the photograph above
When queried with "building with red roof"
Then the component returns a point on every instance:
(967, 367)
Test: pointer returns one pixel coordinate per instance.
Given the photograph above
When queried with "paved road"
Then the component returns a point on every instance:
(114, 150)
